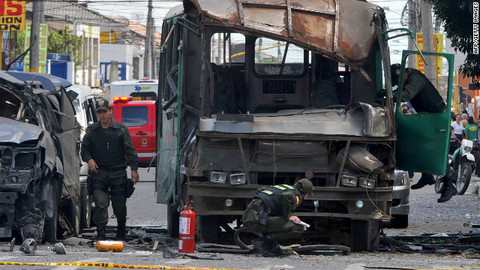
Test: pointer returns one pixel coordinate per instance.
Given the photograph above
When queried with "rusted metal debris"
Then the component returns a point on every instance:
(299, 23)
(460, 243)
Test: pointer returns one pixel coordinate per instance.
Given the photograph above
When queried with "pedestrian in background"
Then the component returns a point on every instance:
(106, 147)
(464, 119)
(471, 130)
(477, 122)
(458, 127)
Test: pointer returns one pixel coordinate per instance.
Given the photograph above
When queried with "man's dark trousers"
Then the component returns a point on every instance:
(113, 180)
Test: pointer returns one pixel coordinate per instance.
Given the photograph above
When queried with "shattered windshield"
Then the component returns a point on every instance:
(10, 104)
(275, 57)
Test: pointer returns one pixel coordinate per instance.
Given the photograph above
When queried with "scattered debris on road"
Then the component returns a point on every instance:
(460, 243)
(29, 246)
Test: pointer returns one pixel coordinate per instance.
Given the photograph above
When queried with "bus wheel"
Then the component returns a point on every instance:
(209, 229)
(365, 235)
(172, 220)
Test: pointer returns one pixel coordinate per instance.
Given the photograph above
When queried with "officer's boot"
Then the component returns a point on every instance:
(426, 179)
(121, 231)
(449, 190)
(101, 234)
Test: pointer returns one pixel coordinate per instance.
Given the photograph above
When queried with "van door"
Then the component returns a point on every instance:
(152, 126)
(423, 138)
(137, 117)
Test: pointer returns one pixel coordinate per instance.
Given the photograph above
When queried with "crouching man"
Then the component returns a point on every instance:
(270, 211)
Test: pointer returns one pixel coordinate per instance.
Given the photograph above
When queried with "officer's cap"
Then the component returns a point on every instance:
(305, 186)
(395, 70)
(102, 105)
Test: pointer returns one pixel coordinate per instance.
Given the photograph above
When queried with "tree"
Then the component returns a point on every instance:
(63, 42)
(59, 41)
(457, 21)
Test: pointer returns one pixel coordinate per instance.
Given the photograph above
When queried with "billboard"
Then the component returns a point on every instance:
(12, 15)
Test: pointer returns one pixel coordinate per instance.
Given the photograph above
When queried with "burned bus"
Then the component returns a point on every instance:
(253, 94)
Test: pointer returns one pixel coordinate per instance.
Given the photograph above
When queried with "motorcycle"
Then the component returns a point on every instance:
(462, 163)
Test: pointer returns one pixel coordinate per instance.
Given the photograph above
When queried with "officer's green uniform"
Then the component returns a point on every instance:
(421, 93)
(270, 210)
(110, 148)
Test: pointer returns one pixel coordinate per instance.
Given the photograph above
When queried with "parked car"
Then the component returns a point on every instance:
(84, 104)
(39, 157)
(400, 202)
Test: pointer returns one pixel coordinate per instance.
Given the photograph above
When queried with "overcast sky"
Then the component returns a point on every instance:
(393, 10)
(136, 10)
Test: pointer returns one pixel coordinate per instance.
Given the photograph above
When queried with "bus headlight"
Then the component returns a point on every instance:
(238, 179)
(367, 183)
(349, 180)
(14, 179)
(218, 177)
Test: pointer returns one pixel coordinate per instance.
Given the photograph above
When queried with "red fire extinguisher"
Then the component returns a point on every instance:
(186, 229)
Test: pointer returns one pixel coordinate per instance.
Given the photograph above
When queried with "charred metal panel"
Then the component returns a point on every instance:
(367, 121)
(360, 159)
(377, 123)
(70, 158)
(219, 154)
(288, 154)
(347, 26)
(19, 166)
(17, 132)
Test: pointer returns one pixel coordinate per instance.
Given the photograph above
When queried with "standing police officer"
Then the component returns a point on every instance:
(106, 148)
(270, 211)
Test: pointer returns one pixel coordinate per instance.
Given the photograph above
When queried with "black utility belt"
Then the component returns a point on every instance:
(113, 167)
(256, 207)
(259, 208)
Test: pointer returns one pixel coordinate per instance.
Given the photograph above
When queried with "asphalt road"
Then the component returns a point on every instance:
(426, 216)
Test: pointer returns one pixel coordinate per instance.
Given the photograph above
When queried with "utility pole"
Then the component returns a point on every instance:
(412, 25)
(427, 30)
(153, 52)
(37, 19)
(148, 43)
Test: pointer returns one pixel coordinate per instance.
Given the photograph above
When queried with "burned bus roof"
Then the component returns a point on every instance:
(343, 30)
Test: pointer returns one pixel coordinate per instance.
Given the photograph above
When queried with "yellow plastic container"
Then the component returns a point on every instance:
(115, 246)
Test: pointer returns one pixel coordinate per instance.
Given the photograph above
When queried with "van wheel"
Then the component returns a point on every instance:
(85, 207)
(69, 220)
(51, 224)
